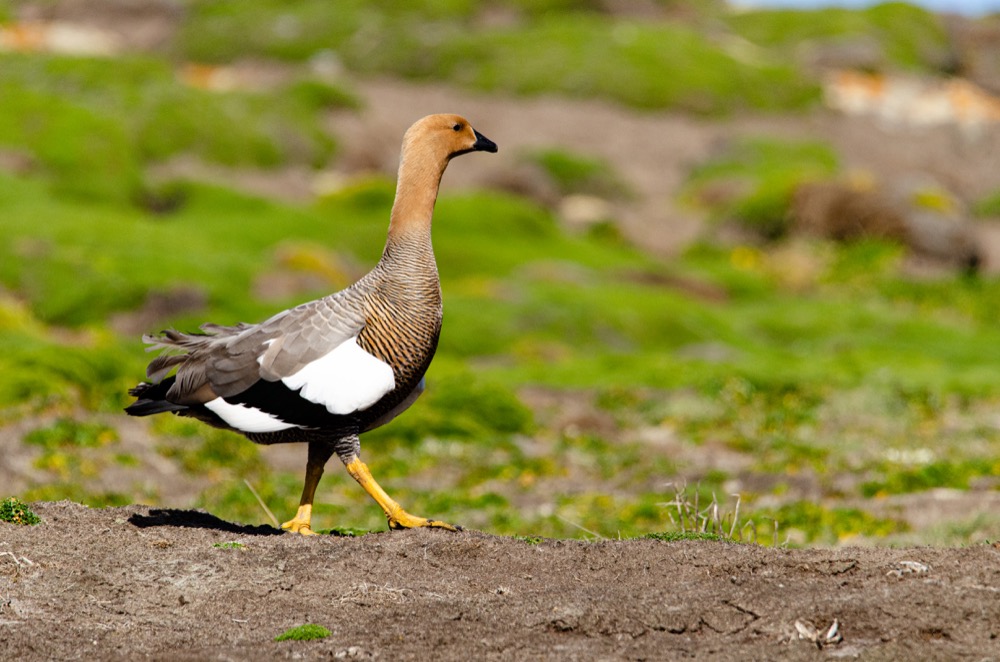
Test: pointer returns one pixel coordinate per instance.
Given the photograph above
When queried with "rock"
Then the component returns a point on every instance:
(579, 211)
(925, 218)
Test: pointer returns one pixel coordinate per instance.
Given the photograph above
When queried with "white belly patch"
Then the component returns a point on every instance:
(247, 419)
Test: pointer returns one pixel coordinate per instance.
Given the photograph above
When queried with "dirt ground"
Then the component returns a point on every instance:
(125, 583)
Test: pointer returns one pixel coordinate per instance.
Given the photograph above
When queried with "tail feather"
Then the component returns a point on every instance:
(179, 349)
(163, 364)
(151, 399)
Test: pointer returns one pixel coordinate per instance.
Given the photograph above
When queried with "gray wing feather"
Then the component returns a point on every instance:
(306, 333)
(226, 357)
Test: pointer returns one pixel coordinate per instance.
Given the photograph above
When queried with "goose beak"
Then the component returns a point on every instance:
(483, 144)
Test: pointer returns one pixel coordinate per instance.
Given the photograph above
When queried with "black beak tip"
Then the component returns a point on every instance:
(484, 144)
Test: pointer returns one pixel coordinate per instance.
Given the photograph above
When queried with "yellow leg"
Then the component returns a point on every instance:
(301, 523)
(319, 453)
(398, 518)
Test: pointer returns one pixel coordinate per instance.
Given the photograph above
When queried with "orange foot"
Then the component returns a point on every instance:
(400, 519)
(301, 522)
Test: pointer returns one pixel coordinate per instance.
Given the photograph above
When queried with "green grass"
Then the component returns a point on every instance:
(815, 523)
(44, 368)
(529, 540)
(895, 479)
(207, 451)
(807, 368)
(72, 433)
(712, 62)
(577, 53)
(68, 449)
(344, 531)
(658, 65)
(751, 183)
(988, 206)
(577, 173)
(903, 35)
(230, 545)
(67, 488)
(798, 379)
(306, 632)
(91, 126)
(14, 511)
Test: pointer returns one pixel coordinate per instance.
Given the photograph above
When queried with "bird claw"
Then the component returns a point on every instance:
(301, 523)
(404, 520)
(302, 528)
(398, 518)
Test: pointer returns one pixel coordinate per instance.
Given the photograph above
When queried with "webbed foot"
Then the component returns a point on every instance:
(301, 523)
(404, 520)
(398, 518)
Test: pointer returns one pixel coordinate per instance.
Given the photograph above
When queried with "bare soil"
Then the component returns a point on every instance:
(125, 583)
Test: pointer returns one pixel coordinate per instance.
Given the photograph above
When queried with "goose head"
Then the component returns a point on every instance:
(428, 146)
(444, 137)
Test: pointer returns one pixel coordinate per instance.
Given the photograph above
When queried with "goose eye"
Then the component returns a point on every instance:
(457, 127)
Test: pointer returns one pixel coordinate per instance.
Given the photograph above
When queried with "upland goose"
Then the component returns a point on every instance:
(328, 370)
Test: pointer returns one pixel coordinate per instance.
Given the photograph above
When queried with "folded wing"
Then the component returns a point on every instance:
(278, 374)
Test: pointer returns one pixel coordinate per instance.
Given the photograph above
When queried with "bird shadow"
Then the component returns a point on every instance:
(193, 519)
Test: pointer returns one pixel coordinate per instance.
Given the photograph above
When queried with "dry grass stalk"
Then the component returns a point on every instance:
(687, 514)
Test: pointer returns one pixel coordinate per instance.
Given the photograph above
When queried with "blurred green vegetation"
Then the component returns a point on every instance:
(699, 58)
(903, 36)
(752, 181)
(988, 206)
(577, 173)
(769, 370)
(69, 432)
(823, 373)
(41, 368)
(639, 64)
(819, 524)
(642, 64)
(91, 128)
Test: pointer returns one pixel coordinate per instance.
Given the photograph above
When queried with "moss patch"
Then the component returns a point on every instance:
(306, 632)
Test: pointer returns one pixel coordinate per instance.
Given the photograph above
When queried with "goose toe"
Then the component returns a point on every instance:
(301, 523)
(404, 520)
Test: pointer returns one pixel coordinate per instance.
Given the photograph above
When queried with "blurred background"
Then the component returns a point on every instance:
(734, 268)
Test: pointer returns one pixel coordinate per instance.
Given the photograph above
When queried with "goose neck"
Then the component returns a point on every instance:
(416, 192)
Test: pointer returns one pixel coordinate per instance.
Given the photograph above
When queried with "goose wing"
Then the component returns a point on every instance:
(265, 377)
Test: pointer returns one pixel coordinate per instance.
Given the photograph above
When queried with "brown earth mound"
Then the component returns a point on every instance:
(125, 583)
